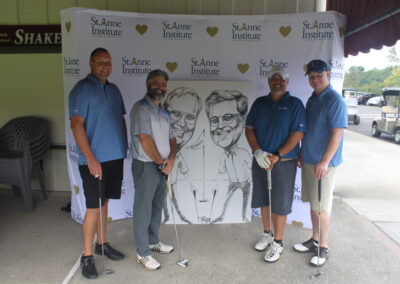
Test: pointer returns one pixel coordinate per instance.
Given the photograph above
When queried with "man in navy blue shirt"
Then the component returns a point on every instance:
(96, 111)
(321, 154)
(274, 127)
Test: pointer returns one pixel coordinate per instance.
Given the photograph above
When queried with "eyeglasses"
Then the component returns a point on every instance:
(227, 118)
(176, 115)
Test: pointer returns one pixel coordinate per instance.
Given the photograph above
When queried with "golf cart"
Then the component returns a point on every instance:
(350, 98)
(389, 122)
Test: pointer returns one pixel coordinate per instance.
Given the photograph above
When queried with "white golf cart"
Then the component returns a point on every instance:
(389, 122)
(350, 98)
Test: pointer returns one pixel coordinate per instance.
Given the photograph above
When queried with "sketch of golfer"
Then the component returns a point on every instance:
(226, 112)
(184, 106)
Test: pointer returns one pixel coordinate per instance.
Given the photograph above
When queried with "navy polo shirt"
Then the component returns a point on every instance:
(102, 107)
(324, 112)
(273, 122)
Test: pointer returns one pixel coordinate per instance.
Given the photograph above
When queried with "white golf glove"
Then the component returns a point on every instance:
(262, 158)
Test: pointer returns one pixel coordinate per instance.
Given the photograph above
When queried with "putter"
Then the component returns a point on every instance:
(182, 262)
(104, 271)
(319, 229)
(270, 201)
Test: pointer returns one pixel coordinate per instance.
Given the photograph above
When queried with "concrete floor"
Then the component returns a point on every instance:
(43, 246)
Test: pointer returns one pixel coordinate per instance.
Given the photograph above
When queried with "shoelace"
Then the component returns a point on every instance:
(274, 248)
(144, 259)
(88, 261)
(157, 247)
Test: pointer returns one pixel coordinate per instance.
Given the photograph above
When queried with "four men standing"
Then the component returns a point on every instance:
(274, 127)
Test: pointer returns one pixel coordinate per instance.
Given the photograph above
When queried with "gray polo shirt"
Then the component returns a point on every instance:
(151, 119)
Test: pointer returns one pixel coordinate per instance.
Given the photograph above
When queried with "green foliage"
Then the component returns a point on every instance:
(371, 81)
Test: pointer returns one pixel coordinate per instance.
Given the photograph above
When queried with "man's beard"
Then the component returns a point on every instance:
(155, 95)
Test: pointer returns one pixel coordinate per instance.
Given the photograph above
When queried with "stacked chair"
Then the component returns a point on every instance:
(24, 142)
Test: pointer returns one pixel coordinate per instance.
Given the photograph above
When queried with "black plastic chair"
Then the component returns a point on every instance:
(24, 141)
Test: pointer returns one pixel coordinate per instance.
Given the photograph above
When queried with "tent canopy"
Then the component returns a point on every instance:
(370, 23)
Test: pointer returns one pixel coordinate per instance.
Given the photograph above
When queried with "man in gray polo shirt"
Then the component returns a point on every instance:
(153, 148)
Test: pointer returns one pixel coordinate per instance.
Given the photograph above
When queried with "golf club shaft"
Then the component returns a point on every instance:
(173, 216)
(101, 224)
(319, 221)
(269, 183)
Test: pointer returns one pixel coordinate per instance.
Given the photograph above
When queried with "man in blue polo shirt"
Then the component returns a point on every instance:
(274, 126)
(321, 154)
(96, 111)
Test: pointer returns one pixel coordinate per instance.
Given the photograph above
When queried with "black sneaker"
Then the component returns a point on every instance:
(323, 256)
(308, 246)
(88, 268)
(109, 251)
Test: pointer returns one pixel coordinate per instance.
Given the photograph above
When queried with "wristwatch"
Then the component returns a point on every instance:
(276, 153)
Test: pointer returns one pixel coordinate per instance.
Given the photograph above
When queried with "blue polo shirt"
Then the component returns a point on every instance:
(273, 122)
(324, 112)
(102, 107)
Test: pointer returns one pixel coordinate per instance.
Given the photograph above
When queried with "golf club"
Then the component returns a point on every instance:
(104, 271)
(212, 203)
(181, 262)
(319, 229)
(270, 200)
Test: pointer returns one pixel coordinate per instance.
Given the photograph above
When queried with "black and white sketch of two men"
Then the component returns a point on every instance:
(226, 113)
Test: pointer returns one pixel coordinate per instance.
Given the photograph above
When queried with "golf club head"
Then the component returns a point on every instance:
(316, 275)
(108, 271)
(183, 262)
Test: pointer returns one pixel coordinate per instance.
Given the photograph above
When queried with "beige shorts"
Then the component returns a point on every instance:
(309, 191)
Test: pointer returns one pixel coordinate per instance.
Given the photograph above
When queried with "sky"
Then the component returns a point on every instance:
(374, 59)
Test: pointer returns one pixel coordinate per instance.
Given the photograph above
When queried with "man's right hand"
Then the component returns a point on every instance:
(262, 158)
(95, 168)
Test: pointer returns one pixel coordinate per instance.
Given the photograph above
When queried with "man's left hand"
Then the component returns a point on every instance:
(169, 165)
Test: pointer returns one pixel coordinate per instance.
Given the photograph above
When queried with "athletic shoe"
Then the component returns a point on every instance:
(88, 268)
(148, 262)
(323, 256)
(262, 244)
(308, 246)
(161, 248)
(274, 252)
(109, 251)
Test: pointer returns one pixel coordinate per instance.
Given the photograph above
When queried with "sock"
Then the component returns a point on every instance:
(278, 242)
(268, 232)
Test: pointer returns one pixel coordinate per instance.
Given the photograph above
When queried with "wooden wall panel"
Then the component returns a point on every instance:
(258, 7)
(161, 6)
(54, 8)
(177, 6)
(225, 7)
(242, 7)
(8, 12)
(32, 12)
(211, 7)
(95, 4)
(123, 5)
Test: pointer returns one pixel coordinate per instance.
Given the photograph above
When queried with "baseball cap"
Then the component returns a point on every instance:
(155, 73)
(280, 70)
(317, 65)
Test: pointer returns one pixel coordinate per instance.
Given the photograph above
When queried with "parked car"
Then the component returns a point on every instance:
(388, 122)
(362, 98)
(352, 110)
(375, 101)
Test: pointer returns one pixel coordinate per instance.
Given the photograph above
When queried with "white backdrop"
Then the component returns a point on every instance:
(203, 48)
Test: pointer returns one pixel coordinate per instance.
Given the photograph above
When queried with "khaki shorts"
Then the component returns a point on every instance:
(309, 191)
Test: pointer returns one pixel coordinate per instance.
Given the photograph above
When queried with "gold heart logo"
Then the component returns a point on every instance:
(212, 31)
(285, 30)
(171, 66)
(243, 67)
(141, 29)
(68, 26)
(342, 31)
(297, 224)
(305, 67)
(76, 188)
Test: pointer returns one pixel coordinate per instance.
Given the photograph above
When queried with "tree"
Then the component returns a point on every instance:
(393, 56)
(394, 79)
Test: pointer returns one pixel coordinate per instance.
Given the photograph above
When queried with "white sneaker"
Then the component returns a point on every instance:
(161, 248)
(274, 252)
(148, 262)
(323, 257)
(262, 244)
